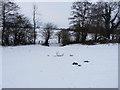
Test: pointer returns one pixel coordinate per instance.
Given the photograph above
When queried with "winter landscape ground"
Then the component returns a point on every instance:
(37, 66)
(0, 67)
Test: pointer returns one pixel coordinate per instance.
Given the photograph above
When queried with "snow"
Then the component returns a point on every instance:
(37, 66)
(0, 67)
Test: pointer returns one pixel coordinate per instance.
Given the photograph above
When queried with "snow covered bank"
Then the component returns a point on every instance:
(51, 67)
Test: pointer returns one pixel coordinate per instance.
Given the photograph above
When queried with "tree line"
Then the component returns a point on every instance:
(16, 28)
(100, 19)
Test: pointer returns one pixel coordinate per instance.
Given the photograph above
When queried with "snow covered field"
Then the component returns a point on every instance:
(36, 66)
(0, 67)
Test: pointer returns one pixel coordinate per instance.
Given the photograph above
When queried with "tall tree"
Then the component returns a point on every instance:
(17, 29)
(0, 22)
(80, 18)
(34, 22)
(8, 9)
(111, 11)
(97, 22)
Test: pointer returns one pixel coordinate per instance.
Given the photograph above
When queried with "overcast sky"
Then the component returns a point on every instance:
(55, 12)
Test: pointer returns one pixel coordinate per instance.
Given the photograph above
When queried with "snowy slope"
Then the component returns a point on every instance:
(37, 66)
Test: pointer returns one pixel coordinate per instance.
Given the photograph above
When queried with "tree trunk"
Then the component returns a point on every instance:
(3, 24)
(46, 42)
(95, 37)
(77, 37)
(34, 22)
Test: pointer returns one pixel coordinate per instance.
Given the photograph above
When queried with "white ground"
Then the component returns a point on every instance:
(0, 67)
(39, 67)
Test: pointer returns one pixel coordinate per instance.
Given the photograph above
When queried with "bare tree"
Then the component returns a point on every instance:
(34, 22)
(80, 19)
(47, 32)
(22, 31)
(97, 22)
(9, 9)
(101, 19)
(111, 11)
(0, 22)
(16, 28)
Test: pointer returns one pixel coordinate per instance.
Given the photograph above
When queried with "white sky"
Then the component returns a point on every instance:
(55, 12)
(62, 0)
